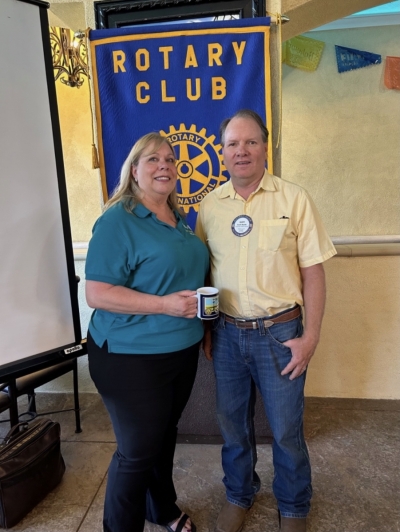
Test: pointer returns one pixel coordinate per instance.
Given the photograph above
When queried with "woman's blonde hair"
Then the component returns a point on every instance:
(128, 191)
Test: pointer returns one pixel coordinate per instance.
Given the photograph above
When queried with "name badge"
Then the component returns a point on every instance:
(242, 225)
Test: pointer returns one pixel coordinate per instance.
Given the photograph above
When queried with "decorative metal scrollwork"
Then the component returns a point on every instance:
(70, 58)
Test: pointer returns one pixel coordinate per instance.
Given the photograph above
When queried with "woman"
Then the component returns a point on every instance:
(143, 266)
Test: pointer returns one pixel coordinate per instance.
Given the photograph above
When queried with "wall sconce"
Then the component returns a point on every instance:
(70, 59)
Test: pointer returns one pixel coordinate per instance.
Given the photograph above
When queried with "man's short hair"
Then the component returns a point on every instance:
(244, 113)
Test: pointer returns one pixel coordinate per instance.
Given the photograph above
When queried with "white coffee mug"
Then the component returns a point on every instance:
(207, 303)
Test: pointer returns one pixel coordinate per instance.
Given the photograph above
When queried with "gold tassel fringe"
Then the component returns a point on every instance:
(95, 155)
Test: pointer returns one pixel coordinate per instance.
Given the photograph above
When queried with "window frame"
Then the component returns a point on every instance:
(122, 13)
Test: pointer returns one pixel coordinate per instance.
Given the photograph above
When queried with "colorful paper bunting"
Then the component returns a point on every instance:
(303, 52)
(392, 72)
(350, 59)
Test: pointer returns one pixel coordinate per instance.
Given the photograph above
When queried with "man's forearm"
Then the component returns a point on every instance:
(314, 294)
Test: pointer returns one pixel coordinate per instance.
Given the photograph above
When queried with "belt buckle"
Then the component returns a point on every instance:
(239, 322)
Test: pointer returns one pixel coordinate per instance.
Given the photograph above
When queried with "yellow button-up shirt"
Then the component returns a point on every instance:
(259, 274)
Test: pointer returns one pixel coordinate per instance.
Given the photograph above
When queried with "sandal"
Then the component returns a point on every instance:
(181, 524)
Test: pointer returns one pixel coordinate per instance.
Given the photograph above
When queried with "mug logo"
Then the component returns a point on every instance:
(200, 165)
(211, 306)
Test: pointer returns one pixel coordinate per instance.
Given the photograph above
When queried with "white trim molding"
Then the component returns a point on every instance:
(346, 246)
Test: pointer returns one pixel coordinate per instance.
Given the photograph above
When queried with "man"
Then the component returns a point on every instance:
(267, 244)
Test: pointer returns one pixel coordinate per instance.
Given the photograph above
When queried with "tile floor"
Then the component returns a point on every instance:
(354, 451)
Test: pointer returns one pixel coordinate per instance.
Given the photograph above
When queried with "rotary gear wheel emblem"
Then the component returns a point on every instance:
(200, 165)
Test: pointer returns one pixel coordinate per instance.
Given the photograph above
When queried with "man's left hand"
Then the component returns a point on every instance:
(303, 348)
(302, 351)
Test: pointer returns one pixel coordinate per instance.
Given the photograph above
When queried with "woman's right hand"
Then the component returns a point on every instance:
(181, 304)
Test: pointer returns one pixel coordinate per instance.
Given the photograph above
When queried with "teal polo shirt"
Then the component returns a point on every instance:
(136, 250)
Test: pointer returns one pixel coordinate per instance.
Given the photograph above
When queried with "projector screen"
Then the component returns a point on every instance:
(39, 316)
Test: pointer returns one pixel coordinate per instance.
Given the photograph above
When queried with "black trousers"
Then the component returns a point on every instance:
(145, 396)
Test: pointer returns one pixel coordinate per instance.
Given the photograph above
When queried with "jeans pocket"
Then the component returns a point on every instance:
(282, 332)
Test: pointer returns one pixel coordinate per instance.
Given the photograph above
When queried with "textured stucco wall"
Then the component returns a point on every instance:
(84, 194)
(82, 182)
(358, 355)
(340, 139)
(341, 135)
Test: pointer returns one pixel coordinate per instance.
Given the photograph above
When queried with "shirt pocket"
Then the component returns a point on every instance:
(272, 234)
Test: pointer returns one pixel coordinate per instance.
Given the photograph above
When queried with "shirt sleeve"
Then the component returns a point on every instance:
(313, 242)
(108, 257)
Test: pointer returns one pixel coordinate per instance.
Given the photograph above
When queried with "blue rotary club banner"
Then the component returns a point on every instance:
(182, 80)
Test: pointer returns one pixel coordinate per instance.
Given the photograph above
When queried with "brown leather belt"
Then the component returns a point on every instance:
(268, 322)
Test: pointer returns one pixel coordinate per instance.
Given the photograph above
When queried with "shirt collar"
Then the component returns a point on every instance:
(141, 211)
(267, 183)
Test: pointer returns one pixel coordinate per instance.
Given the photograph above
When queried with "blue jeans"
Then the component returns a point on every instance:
(241, 358)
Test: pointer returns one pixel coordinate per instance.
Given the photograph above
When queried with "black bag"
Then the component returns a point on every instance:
(31, 465)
